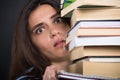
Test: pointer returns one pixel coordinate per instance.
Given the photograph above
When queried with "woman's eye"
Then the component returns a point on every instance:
(39, 30)
(59, 20)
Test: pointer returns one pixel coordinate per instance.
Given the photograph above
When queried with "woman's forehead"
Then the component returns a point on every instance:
(41, 12)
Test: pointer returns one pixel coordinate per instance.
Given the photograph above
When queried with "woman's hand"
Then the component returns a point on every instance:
(50, 73)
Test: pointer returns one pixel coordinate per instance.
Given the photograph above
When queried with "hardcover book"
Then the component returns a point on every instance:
(93, 41)
(83, 51)
(63, 75)
(95, 14)
(69, 5)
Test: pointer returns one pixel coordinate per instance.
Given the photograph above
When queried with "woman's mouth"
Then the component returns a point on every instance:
(59, 44)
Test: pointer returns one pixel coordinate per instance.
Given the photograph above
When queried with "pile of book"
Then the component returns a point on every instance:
(94, 38)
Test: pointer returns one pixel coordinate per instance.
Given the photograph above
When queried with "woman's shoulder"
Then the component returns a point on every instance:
(29, 75)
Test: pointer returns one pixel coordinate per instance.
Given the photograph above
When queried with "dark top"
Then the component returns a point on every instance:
(29, 76)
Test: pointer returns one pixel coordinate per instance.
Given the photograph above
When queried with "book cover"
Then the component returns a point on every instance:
(109, 69)
(66, 3)
(85, 32)
(95, 14)
(98, 68)
(70, 5)
(105, 59)
(63, 75)
(96, 24)
(93, 41)
(107, 66)
(95, 28)
(83, 51)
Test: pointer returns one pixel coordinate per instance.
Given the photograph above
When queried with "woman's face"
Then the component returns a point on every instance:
(48, 32)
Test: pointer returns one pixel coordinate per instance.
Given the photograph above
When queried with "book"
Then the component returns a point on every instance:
(94, 32)
(104, 59)
(95, 14)
(65, 3)
(63, 75)
(85, 32)
(81, 52)
(95, 24)
(107, 66)
(95, 28)
(109, 69)
(70, 5)
(93, 41)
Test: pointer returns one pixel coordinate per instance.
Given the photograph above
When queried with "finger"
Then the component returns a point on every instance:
(50, 73)
(45, 76)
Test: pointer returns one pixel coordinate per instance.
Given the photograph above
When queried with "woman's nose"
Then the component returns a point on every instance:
(55, 33)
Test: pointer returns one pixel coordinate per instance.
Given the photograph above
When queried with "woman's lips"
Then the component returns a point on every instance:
(59, 44)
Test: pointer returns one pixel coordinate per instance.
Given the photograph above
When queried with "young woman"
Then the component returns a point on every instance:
(39, 50)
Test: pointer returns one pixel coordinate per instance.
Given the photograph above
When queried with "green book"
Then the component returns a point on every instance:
(67, 3)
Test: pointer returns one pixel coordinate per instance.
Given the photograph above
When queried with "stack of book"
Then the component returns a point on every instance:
(94, 38)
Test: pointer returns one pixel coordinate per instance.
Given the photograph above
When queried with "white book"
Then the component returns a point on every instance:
(63, 75)
(95, 24)
(103, 59)
(94, 41)
(100, 23)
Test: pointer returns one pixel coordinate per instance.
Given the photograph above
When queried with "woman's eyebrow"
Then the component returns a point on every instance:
(54, 15)
(35, 26)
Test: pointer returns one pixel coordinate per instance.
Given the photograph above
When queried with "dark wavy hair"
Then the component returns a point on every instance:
(24, 53)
